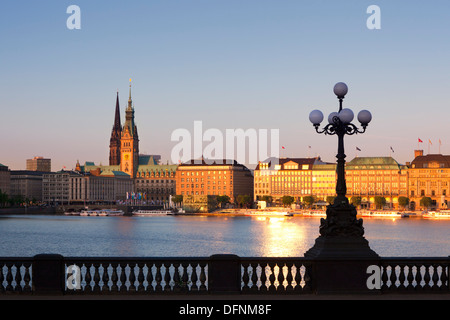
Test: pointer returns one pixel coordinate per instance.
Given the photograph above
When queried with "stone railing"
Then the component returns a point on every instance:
(58, 275)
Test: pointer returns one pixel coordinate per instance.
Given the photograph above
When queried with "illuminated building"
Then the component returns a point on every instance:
(217, 178)
(290, 177)
(368, 177)
(429, 176)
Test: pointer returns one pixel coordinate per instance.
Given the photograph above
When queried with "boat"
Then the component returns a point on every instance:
(147, 213)
(314, 213)
(89, 213)
(268, 213)
(381, 214)
(443, 214)
(111, 212)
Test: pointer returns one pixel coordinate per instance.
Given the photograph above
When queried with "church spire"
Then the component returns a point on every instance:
(117, 123)
(130, 102)
(114, 142)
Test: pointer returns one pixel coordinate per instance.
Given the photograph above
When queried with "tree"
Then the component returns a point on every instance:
(268, 199)
(3, 198)
(309, 200)
(244, 200)
(177, 198)
(330, 199)
(355, 200)
(425, 202)
(403, 202)
(223, 200)
(380, 202)
(287, 200)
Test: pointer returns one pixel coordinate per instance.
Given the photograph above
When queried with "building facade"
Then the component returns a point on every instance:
(5, 179)
(368, 177)
(295, 177)
(217, 178)
(429, 176)
(39, 164)
(74, 187)
(27, 183)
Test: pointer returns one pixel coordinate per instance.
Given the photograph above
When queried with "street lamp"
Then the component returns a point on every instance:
(341, 233)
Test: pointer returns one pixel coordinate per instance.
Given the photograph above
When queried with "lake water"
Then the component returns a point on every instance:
(202, 236)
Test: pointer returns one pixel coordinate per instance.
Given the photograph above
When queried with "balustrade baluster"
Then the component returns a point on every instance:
(167, 278)
(264, 287)
(132, 277)
(114, 277)
(123, 277)
(427, 277)
(149, 278)
(194, 278)
(280, 278)
(435, 277)
(88, 278)
(9, 277)
(245, 278)
(2, 278)
(410, 277)
(105, 278)
(185, 277)
(158, 277)
(444, 278)
(401, 276)
(289, 277)
(26, 277)
(202, 276)
(96, 278)
(254, 276)
(272, 278)
(176, 277)
(307, 278)
(298, 278)
(140, 277)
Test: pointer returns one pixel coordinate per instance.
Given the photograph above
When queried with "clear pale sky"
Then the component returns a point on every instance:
(229, 63)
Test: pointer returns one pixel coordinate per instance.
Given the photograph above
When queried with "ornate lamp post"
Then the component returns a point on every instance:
(341, 233)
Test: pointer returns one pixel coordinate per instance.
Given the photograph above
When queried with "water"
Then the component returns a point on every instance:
(202, 236)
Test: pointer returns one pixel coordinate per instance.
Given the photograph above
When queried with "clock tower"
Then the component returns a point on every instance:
(129, 142)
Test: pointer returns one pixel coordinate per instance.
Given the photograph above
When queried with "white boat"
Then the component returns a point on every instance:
(152, 212)
(268, 213)
(89, 213)
(443, 214)
(381, 214)
(111, 212)
(314, 213)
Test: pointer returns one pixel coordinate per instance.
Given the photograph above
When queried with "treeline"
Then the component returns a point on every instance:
(14, 200)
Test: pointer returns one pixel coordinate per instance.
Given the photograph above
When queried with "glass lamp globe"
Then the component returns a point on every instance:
(364, 117)
(346, 115)
(331, 116)
(340, 89)
(316, 116)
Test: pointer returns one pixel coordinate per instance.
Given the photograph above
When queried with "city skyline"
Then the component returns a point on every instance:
(231, 65)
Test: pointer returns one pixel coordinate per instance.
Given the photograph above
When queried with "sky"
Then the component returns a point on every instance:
(254, 64)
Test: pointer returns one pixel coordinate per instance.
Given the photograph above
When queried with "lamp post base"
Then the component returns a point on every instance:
(341, 235)
(339, 247)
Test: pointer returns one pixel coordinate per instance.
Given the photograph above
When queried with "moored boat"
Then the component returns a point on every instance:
(314, 213)
(443, 214)
(152, 212)
(268, 213)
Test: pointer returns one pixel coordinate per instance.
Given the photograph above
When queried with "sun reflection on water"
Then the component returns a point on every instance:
(282, 237)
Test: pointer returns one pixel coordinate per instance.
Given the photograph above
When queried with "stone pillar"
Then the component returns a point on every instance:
(224, 274)
(48, 274)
